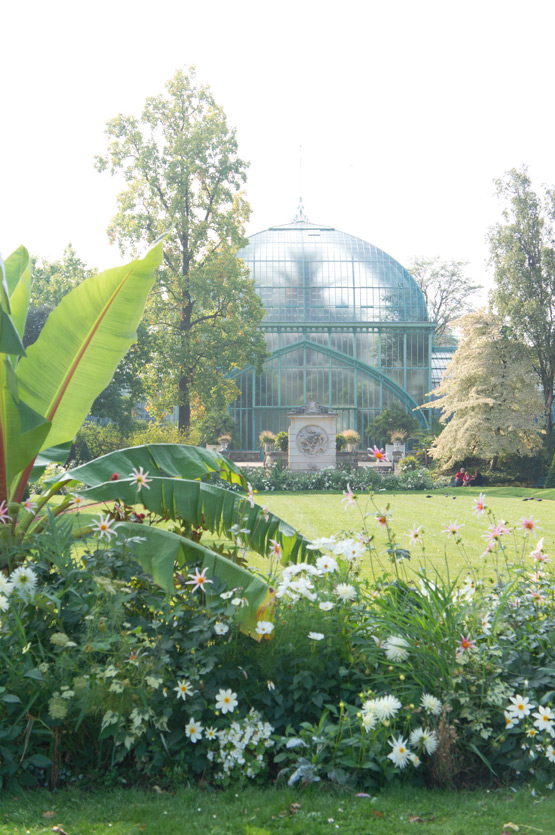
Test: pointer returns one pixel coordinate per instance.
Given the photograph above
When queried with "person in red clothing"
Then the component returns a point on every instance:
(459, 478)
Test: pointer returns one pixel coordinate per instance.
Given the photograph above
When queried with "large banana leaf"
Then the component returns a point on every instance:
(81, 344)
(219, 510)
(45, 397)
(174, 460)
(157, 551)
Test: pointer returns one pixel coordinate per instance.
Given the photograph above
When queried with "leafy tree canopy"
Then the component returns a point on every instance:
(488, 395)
(446, 289)
(522, 253)
(182, 172)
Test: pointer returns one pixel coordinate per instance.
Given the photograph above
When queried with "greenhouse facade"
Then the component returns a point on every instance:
(346, 326)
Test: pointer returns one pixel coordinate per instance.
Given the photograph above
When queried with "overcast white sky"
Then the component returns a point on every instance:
(405, 111)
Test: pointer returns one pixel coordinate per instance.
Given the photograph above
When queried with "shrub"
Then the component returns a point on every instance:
(282, 441)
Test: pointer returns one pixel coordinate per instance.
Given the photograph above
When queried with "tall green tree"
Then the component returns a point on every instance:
(488, 395)
(522, 252)
(182, 171)
(447, 290)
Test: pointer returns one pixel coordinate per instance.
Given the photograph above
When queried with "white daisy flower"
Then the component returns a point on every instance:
(425, 738)
(264, 627)
(345, 592)
(431, 704)
(520, 707)
(400, 754)
(4, 603)
(316, 636)
(6, 586)
(386, 707)
(226, 701)
(193, 729)
(326, 605)
(184, 689)
(221, 628)
(396, 648)
(326, 565)
(24, 580)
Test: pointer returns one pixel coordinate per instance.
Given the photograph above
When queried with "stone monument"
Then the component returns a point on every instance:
(312, 431)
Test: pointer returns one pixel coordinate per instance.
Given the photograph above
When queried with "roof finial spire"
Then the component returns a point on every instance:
(300, 217)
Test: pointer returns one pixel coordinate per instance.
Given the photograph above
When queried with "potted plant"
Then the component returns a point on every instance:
(340, 442)
(352, 438)
(267, 440)
(224, 441)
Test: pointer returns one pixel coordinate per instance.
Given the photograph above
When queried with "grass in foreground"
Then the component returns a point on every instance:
(264, 812)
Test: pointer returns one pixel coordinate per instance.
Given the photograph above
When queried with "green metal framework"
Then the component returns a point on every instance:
(346, 325)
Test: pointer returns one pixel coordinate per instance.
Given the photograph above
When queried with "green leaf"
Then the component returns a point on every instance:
(18, 277)
(174, 460)
(158, 551)
(40, 761)
(52, 455)
(10, 343)
(197, 503)
(81, 344)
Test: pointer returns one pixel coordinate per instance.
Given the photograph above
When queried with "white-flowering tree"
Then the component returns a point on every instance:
(489, 395)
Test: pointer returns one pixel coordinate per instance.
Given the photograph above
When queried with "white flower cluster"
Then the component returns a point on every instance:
(242, 747)
(520, 707)
(22, 581)
(423, 739)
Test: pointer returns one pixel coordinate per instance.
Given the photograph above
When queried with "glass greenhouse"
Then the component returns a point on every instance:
(346, 326)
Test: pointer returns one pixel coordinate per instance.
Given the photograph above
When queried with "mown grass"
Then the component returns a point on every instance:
(315, 811)
(323, 514)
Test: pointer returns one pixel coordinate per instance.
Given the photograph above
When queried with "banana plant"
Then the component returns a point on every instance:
(167, 480)
(47, 390)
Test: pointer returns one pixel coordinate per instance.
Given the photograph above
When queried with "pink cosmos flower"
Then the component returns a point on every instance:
(198, 579)
(495, 532)
(4, 518)
(538, 554)
(276, 548)
(528, 524)
(251, 494)
(29, 505)
(348, 497)
(466, 644)
(479, 504)
(378, 454)
(452, 528)
(415, 535)
(382, 518)
(139, 478)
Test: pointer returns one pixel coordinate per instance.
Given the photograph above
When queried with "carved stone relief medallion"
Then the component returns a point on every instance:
(312, 440)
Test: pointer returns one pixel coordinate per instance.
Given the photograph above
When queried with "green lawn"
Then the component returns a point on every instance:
(315, 811)
(323, 514)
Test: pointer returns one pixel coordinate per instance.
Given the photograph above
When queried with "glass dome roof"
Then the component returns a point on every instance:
(305, 272)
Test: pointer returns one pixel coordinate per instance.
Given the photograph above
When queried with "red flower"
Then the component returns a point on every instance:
(114, 477)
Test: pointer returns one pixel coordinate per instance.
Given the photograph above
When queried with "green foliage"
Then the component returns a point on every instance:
(362, 478)
(216, 424)
(340, 443)
(488, 395)
(523, 257)
(182, 172)
(408, 464)
(379, 429)
(446, 289)
(282, 441)
(550, 480)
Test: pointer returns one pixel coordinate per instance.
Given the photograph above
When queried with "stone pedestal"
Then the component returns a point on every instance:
(312, 438)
